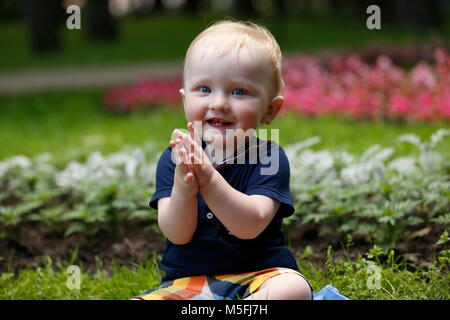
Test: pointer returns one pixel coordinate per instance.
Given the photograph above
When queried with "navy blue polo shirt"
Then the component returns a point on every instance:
(213, 250)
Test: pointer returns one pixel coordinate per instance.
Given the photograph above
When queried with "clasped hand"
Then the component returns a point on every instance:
(194, 169)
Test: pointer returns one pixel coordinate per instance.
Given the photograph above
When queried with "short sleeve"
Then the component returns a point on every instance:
(164, 177)
(271, 178)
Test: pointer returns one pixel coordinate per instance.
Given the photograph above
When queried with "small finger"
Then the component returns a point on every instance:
(180, 154)
(191, 130)
(189, 177)
(189, 144)
(176, 157)
(194, 133)
(179, 133)
(192, 158)
(186, 157)
(196, 158)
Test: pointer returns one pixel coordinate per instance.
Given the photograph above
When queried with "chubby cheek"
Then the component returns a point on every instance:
(194, 110)
(248, 116)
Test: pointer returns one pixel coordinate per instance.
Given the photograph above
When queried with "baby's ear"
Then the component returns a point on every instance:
(181, 91)
(273, 109)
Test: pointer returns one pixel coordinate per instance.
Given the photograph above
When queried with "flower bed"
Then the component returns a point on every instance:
(344, 85)
(347, 85)
(376, 197)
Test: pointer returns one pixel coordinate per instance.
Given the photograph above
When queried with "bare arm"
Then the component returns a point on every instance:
(177, 217)
(177, 214)
(243, 215)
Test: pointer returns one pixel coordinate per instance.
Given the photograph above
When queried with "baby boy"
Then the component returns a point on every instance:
(220, 213)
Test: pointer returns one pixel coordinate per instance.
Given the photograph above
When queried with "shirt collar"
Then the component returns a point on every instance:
(242, 150)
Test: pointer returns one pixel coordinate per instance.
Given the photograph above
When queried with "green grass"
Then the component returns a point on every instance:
(166, 37)
(50, 282)
(71, 125)
(352, 278)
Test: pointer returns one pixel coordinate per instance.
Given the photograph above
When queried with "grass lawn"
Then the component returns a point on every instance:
(352, 278)
(71, 125)
(166, 37)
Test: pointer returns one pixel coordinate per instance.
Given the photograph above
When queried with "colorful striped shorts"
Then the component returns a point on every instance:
(218, 287)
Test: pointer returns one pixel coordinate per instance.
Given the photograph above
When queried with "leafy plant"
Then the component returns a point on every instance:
(375, 196)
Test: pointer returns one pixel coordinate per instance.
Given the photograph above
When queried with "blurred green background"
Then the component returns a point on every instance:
(149, 30)
(69, 121)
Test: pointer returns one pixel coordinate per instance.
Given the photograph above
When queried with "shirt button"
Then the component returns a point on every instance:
(209, 215)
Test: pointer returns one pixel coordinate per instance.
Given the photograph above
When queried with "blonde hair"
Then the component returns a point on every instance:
(228, 34)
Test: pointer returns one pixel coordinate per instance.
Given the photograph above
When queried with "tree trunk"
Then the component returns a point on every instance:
(158, 6)
(43, 18)
(414, 13)
(279, 19)
(280, 8)
(192, 6)
(100, 25)
(244, 8)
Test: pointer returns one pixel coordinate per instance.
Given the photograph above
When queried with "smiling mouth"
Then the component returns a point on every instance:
(219, 123)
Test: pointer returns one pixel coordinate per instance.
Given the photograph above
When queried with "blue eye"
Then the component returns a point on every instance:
(238, 92)
(205, 90)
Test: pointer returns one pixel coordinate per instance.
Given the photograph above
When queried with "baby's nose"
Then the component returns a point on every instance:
(219, 103)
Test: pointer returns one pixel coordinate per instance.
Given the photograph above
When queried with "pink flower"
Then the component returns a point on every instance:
(443, 105)
(425, 106)
(400, 105)
(423, 76)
